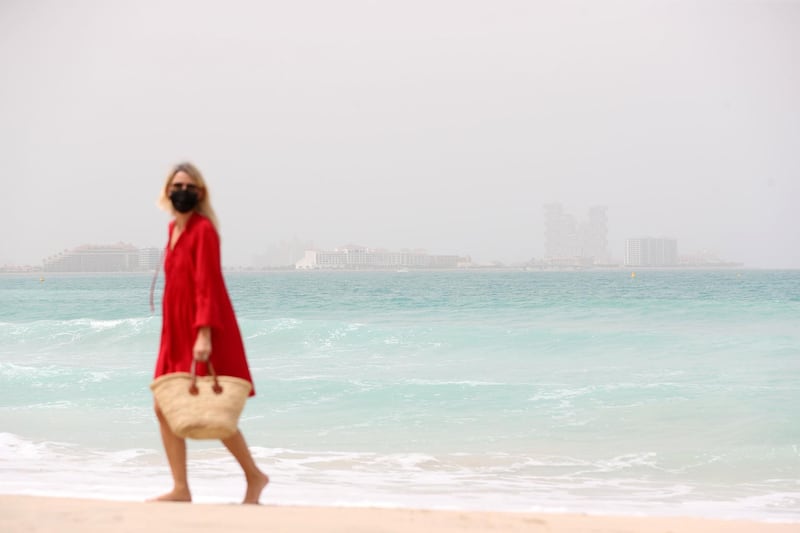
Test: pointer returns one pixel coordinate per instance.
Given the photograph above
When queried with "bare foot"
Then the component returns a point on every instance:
(254, 488)
(177, 495)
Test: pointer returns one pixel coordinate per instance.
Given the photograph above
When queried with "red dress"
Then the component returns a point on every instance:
(195, 296)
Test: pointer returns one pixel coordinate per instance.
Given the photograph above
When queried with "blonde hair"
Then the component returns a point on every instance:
(203, 206)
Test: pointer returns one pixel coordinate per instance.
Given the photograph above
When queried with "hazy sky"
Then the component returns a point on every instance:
(443, 125)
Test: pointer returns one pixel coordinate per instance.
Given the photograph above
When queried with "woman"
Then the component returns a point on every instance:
(198, 317)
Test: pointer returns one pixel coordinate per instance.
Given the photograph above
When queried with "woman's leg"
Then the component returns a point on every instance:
(176, 455)
(256, 479)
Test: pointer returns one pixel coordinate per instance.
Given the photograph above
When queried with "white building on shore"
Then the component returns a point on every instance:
(360, 258)
(150, 258)
(119, 257)
(648, 251)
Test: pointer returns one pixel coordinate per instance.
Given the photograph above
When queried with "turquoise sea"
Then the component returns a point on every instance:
(671, 393)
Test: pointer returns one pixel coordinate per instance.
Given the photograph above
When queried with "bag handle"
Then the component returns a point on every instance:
(155, 278)
(193, 390)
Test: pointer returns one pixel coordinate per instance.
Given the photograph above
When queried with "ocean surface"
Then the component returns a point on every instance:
(671, 393)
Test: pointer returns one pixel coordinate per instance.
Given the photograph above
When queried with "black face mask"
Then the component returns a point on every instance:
(184, 200)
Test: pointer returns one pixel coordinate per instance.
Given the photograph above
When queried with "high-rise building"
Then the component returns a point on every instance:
(568, 241)
(560, 231)
(648, 251)
(594, 235)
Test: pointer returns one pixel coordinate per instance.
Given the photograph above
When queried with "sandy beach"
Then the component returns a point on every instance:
(46, 514)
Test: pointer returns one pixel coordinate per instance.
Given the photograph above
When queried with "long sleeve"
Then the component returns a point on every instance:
(208, 282)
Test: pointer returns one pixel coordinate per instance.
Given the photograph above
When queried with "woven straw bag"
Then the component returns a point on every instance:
(201, 407)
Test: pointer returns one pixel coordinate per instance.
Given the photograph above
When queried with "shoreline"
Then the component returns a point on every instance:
(487, 269)
(42, 513)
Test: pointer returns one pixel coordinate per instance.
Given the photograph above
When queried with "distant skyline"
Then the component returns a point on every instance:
(283, 249)
(439, 124)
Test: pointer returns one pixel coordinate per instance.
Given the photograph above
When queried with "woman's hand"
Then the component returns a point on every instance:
(202, 345)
